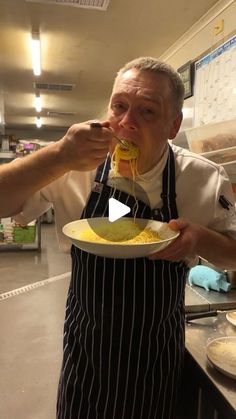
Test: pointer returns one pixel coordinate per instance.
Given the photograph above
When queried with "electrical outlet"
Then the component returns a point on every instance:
(219, 27)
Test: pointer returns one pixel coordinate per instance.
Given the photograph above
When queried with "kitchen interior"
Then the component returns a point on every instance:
(36, 109)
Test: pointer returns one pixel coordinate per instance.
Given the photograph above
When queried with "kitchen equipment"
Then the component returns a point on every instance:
(210, 313)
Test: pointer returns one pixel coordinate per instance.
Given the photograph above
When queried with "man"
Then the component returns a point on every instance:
(124, 327)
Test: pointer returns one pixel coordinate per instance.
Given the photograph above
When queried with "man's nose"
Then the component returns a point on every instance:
(128, 120)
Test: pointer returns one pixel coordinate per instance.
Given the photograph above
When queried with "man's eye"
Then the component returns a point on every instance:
(118, 106)
(148, 111)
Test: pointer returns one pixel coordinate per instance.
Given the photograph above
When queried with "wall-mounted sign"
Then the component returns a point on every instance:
(186, 72)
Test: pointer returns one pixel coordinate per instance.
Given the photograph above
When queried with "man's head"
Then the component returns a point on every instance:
(159, 67)
(145, 107)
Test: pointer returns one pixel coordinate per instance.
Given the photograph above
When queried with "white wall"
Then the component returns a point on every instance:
(201, 36)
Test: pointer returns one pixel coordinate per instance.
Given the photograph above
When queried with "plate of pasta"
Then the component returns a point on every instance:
(125, 238)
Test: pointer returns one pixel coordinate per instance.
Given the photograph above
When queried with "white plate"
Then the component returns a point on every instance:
(222, 354)
(231, 317)
(118, 250)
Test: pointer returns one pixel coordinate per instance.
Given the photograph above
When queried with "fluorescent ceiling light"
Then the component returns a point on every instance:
(38, 122)
(36, 54)
(38, 103)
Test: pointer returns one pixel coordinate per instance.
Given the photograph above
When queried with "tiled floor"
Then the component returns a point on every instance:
(31, 324)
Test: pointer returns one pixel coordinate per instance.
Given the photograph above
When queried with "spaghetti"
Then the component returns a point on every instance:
(130, 153)
(122, 231)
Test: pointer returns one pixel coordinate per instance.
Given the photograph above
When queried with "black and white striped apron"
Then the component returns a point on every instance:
(124, 326)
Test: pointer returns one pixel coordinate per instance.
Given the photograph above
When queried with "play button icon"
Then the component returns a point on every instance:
(116, 210)
(114, 218)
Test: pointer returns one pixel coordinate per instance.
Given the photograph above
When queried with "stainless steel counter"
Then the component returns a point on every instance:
(216, 392)
(198, 299)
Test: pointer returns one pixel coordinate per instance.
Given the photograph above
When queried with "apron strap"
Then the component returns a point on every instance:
(168, 194)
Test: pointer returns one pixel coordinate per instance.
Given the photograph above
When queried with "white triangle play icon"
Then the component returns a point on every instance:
(116, 209)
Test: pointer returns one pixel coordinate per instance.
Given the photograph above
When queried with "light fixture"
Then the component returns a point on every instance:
(38, 103)
(38, 122)
(36, 53)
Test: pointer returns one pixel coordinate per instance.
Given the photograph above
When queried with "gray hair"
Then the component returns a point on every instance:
(159, 67)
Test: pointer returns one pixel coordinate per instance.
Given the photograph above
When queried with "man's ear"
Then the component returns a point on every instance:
(175, 126)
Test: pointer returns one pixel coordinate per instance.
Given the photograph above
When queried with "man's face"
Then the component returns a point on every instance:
(141, 110)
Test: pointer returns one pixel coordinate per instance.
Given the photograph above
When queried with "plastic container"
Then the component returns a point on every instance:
(212, 137)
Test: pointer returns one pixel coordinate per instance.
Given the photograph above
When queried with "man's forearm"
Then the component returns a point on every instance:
(82, 148)
(23, 177)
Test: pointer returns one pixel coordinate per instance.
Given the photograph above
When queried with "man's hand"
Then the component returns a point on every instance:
(184, 246)
(84, 147)
(197, 240)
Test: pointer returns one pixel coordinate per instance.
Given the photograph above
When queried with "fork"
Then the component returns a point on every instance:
(122, 142)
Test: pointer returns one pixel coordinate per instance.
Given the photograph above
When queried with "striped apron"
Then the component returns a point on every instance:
(124, 326)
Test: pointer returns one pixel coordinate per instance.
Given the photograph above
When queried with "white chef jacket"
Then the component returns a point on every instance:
(199, 184)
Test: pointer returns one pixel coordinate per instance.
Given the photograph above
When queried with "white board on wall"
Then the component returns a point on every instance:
(215, 85)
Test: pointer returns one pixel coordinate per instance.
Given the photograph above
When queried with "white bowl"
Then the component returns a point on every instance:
(221, 352)
(231, 317)
(116, 249)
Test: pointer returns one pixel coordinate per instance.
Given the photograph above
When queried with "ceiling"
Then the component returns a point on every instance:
(82, 47)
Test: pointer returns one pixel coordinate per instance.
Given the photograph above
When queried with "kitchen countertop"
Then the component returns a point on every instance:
(198, 333)
(210, 392)
(198, 299)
